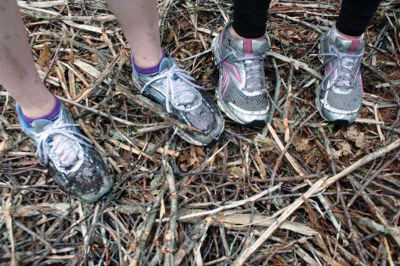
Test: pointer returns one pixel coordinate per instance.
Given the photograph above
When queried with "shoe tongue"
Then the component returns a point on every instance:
(40, 124)
(353, 45)
(165, 64)
(249, 46)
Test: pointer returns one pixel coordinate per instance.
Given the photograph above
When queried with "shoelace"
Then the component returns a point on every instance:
(253, 68)
(186, 96)
(347, 63)
(61, 141)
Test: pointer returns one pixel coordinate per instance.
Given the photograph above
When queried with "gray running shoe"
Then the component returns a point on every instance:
(73, 162)
(242, 92)
(339, 95)
(176, 91)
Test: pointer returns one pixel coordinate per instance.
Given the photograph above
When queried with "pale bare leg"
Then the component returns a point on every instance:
(139, 20)
(18, 74)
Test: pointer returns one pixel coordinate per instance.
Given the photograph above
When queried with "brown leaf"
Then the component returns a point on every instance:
(235, 172)
(356, 136)
(344, 149)
(301, 144)
(45, 56)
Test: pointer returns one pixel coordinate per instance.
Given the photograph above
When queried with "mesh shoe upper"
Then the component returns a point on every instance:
(340, 92)
(242, 91)
(72, 160)
(177, 92)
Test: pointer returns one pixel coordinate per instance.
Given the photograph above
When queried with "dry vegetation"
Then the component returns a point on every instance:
(297, 192)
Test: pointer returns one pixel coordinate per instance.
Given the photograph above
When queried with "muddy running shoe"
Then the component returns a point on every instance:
(242, 92)
(339, 95)
(176, 91)
(72, 161)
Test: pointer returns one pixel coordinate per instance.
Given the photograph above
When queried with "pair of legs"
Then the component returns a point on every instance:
(18, 74)
(250, 17)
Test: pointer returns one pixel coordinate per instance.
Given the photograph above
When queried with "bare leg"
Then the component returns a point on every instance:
(139, 19)
(18, 74)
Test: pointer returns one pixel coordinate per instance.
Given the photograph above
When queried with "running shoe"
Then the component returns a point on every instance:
(176, 90)
(242, 93)
(71, 159)
(339, 95)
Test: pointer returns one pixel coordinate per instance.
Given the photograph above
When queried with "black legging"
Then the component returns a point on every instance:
(250, 16)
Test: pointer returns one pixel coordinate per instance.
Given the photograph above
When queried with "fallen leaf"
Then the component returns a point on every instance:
(3, 146)
(266, 144)
(301, 144)
(45, 55)
(356, 136)
(344, 149)
(235, 172)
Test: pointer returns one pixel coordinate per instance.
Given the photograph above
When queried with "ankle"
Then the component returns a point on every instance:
(148, 61)
(233, 33)
(348, 37)
(47, 111)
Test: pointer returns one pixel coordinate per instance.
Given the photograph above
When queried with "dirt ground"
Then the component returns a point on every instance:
(300, 191)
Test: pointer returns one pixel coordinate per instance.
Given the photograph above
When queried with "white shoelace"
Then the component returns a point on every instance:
(253, 69)
(61, 142)
(186, 94)
(346, 65)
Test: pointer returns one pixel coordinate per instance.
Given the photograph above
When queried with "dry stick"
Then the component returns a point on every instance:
(229, 206)
(55, 56)
(35, 235)
(292, 179)
(143, 235)
(100, 79)
(301, 171)
(297, 64)
(392, 230)
(353, 233)
(8, 220)
(315, 188)
(366, 183)
(375, 211)
(87, 238)
(196, 251)
(328, 150)
(187, 246)
(167, 7)
(378, 253)
(392, 86)
(319, 29)
(170, 236)
(297, 167)
(284, 150)
(288, 104)
(378, 127)
(388, 252)
(100, 113)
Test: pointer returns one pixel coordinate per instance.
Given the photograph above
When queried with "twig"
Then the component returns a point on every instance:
(229, 206)
(170, 236)
(318, 186)
(297, 64)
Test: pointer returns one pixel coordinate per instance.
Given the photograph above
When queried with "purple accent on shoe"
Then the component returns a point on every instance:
(248, 46)
(148, 70)
(50, 116)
